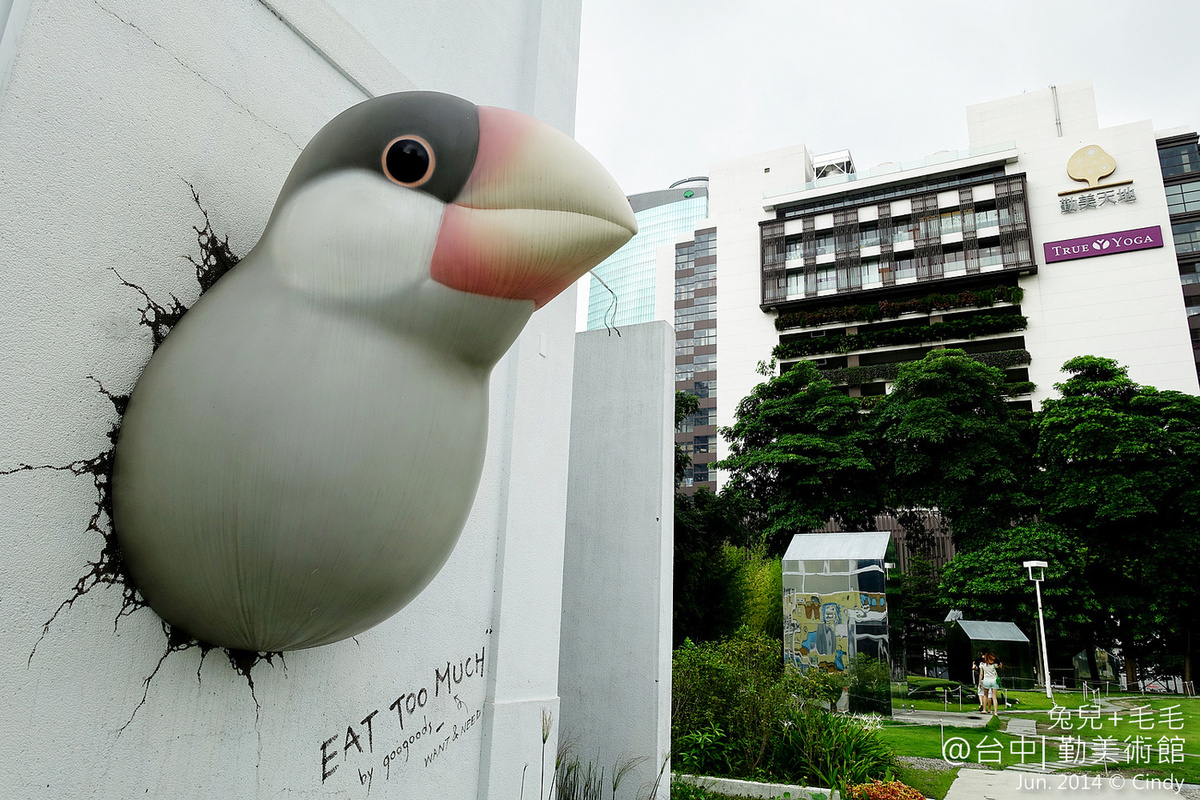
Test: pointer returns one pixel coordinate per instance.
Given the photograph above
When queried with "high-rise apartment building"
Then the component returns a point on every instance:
(1179, 158)
(1050, 237)
(1047, 238)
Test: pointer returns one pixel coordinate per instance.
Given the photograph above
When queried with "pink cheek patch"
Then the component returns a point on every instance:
(515, 253)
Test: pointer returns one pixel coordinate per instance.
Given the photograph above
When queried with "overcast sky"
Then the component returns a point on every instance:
(667, 87)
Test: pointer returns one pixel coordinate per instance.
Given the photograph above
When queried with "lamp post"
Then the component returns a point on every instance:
(1040, 566)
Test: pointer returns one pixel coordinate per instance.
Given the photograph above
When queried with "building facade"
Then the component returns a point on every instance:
(695, 318)
(1180, 161)
(622, 288)
(1048, 238)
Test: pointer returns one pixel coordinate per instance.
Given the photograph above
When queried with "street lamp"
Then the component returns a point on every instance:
(1040, 566)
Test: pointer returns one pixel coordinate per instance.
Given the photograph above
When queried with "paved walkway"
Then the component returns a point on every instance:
(1008, 784)
(962, 720)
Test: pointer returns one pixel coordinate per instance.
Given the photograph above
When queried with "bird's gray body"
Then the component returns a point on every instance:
(310, 450)
(299, 457)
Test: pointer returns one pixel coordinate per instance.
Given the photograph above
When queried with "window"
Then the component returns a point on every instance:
(987, 218)
(868, 234)
(795, 250)
(1188, 274)
(705, 416)
(870, 271)
(1187, 237)
(827, 279)
(1183, 197)
(989, 256)
(701, 308)
(902, 230)
(985, 175)
(825, 244)
(954, 262)
(929, 227)
(951, 221)
(1179, 160)
(795, 283)
(1192, 305)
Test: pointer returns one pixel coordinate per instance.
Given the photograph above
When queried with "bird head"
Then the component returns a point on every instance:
(430, 214)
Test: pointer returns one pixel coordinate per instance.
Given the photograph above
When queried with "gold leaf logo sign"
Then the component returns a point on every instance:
(1090, 164)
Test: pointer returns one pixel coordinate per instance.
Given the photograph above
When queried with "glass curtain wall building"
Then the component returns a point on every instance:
(1179, 156)
(622, 286)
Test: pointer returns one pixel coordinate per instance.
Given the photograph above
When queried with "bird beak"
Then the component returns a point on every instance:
(537, 212)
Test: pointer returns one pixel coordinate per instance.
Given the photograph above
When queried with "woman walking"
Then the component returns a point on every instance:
(989, 681)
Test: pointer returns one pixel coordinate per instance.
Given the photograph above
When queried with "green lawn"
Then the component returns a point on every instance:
(1026, 701)
(1153, 724)
(1159, 719)
(929, 782)
(929, 741)
(1147, 721)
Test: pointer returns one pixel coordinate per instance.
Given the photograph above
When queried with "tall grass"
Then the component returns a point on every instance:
(737, 714)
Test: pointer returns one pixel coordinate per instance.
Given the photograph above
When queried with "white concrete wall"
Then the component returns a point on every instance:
(108, 109)
(615, 665)
(1034, 115)
(745, 335)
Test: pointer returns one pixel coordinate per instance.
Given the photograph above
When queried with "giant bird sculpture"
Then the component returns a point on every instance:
(298, 459)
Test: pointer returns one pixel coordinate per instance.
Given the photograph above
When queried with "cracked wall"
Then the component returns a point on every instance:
(108, 109)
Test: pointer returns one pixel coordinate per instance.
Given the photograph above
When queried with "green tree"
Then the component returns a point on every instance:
(710, 583)
(949, 441)
(990, 583)
(685, 405)
(799, 456)
(920, 610)
(1120, 469)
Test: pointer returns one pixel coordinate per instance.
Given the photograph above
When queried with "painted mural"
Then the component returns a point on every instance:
(826, 631)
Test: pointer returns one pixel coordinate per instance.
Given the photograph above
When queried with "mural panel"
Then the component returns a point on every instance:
(835, 612)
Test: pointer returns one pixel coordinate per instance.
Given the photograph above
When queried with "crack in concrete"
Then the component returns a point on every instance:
(108, 568)
(196, 72)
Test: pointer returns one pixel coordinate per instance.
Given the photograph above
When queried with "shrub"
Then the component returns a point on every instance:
(703, 752)
(876, 790)
(763, 581)
(890, 309)
(968, 328)
(737, 713)
(888, 372)
(817, 684)
(833, 750)
(735, 686)
(870, 683)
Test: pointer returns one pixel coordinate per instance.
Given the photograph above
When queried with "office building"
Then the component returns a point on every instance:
(622, 288)
(1048, 238)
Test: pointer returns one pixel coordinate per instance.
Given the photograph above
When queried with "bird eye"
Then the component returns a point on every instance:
(408, 160)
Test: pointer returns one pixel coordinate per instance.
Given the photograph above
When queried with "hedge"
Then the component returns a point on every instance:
(918, 334)
(887, 309)
(855, 376)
